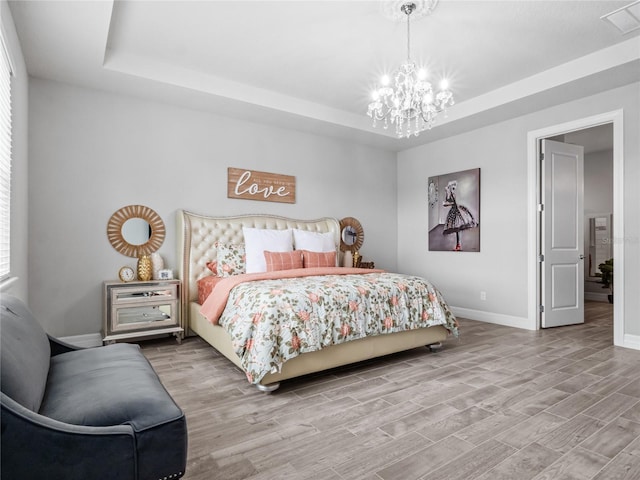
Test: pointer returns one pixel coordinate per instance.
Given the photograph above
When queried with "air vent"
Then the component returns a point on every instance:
(625, 19)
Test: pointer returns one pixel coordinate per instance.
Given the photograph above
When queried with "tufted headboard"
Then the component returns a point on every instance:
(197, 235)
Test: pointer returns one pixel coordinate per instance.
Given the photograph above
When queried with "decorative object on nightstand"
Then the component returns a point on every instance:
(157, 264)
(357, 258)
(126, 274)
(165, 274)
(347, 259)
(140, 309)
(145, 269)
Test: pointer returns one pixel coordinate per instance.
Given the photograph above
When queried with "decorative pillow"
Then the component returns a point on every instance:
(314, 241)
(213, 266)
(206, 286)
(283, 260)
(318, 259)
(231, 259)
(259, 240)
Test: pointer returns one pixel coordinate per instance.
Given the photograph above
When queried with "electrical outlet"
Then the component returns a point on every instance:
(483, 295)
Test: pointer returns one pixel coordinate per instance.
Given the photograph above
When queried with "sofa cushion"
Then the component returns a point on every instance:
(109, 385)
(24, 354)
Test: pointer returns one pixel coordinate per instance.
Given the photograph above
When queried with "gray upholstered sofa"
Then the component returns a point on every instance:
(83, 414)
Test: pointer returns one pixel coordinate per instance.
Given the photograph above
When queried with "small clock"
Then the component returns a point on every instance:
(127, 274)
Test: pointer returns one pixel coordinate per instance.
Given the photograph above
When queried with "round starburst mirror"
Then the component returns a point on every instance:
(351, 234)
(136, 230)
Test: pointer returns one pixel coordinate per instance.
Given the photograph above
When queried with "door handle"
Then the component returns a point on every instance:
(581, 257)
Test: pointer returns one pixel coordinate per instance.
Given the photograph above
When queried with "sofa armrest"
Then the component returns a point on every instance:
(58, 346)
(34, 446)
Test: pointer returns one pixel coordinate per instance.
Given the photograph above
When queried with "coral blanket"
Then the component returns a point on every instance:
(216, 302)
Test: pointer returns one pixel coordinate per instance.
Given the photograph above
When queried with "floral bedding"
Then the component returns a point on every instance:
(274, 320)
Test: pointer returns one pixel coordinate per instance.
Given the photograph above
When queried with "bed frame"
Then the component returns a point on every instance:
(197, 235)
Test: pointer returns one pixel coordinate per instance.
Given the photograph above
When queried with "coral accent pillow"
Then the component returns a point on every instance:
(283, 260)
(318, 259)
(205, 286)
(213, 267)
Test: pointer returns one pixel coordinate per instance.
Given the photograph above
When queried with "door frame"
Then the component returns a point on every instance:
(616, 118)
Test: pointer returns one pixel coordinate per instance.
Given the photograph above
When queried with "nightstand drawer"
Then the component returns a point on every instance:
(146, 316)
(127, 295)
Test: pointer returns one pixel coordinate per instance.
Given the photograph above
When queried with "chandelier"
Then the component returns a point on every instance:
(410, 103)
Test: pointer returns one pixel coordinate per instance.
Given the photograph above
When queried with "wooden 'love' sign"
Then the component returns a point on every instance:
(263, 186)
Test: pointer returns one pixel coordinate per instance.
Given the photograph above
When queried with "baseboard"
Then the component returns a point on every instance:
(631, 341)
(85, 341)
(490, 317)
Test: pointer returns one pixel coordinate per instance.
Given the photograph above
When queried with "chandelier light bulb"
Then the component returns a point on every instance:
(406, 99)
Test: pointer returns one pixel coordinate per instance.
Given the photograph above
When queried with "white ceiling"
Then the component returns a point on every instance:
(311, 65)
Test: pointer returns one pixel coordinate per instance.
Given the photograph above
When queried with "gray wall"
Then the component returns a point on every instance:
(92, 153)
(499, 269)
(598, 182)
(598, 202)
(20, 163)
(500, 150)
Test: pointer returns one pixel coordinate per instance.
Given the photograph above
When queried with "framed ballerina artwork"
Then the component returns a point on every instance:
(454, 211)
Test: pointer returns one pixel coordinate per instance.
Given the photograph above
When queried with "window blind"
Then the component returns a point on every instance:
(5, 161)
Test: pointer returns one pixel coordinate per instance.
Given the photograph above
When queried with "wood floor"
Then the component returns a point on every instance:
(500, 404)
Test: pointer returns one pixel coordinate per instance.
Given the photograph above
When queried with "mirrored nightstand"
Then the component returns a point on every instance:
(139, 309)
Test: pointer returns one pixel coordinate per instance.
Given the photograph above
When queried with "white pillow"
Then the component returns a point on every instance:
(313, 241)
(257, 240)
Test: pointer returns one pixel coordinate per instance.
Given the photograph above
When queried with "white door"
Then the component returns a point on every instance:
(562, 234)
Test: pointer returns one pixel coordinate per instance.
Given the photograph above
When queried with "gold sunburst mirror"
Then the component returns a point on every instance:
(136, 230)
(351, 234)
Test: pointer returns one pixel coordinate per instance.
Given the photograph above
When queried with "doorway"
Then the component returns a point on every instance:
(576, 228)
(534, 138)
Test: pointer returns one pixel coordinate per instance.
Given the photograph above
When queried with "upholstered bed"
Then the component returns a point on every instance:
(198, 239)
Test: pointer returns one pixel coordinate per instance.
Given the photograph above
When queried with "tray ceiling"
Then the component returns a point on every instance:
(312, 64)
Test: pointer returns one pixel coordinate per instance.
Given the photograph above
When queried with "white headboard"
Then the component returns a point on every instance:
(197, 235)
